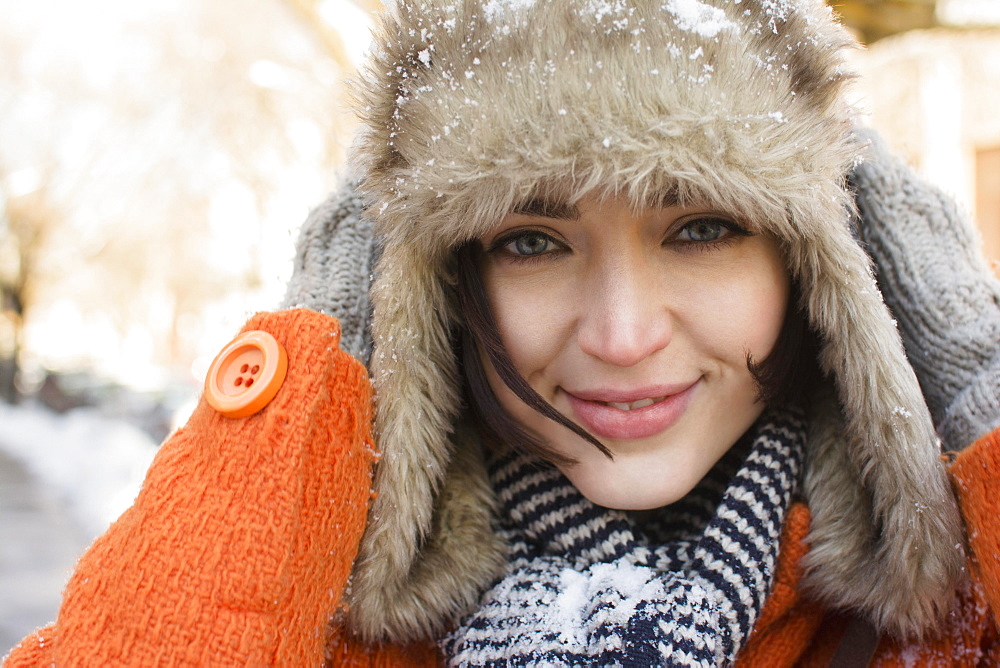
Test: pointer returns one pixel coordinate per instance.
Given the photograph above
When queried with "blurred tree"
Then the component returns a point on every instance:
(327, 19)
(328, 35)
(21, 231)
(154, 158)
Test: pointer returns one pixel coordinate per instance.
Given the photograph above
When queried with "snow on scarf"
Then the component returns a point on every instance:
(679, 586)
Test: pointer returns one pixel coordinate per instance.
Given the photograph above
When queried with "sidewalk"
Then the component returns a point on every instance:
(39, 544)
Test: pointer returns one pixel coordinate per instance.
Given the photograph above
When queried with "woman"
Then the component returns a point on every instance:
(637, 397)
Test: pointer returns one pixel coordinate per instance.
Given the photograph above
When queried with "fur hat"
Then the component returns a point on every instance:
(471, 107)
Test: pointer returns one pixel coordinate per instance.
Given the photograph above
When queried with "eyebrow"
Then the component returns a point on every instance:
(546, 208)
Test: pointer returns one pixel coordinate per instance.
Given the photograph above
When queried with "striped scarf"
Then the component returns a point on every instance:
(679, 586)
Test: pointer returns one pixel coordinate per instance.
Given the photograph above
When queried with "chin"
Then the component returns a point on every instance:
(629, 496)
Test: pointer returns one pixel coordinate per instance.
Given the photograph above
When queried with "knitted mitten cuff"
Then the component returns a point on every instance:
(976, 409)
(936, 283)
(334, 256)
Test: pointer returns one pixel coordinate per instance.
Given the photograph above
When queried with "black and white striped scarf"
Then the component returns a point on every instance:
(680, 586)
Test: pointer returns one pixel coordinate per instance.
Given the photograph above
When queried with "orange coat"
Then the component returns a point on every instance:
(238, 549)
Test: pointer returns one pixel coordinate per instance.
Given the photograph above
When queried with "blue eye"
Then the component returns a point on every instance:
(709, 231)
(704, 230)
(526, 245)
(530, 243)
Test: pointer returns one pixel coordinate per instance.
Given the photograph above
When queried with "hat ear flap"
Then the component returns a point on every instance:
(886, 533)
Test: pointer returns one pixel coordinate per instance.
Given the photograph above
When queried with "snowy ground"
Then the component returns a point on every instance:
(93, 464)
(63, 479)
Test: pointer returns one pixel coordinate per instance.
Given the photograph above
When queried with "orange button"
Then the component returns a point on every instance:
(246, 375)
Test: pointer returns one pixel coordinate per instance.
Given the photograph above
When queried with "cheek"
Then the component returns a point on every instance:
(532, 320)
(743, 311)
(763, 315)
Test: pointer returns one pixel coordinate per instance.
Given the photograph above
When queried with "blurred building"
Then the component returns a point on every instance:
(931, 81)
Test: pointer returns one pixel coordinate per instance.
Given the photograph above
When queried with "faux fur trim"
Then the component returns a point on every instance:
(467, 112)
(886, 538)
(401, 589)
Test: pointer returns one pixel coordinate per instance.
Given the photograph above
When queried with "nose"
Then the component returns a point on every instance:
(625, 316)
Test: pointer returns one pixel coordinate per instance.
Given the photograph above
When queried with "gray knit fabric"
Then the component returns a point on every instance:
(936, 283)
(681, 586)
(333, 264)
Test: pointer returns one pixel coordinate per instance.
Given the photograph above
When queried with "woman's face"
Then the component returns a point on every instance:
(637, 327)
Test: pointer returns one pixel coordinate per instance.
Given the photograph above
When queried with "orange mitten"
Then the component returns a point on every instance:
(238, 548)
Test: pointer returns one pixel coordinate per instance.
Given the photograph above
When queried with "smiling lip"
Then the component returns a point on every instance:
(592, 410)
